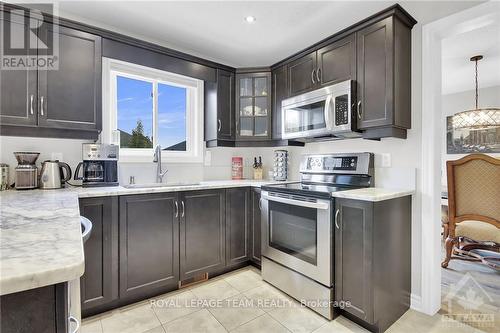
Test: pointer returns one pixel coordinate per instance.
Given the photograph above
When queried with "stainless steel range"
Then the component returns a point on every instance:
(298, 222)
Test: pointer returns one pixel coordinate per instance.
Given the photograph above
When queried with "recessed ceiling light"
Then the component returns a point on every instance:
(250, 19)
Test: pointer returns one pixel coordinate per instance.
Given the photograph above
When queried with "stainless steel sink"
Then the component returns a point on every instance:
(155, 185)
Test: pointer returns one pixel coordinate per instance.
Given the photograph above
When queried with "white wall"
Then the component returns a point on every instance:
(218, 168)
(461, 101)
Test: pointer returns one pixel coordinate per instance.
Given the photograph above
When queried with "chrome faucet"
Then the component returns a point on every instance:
(157, 160)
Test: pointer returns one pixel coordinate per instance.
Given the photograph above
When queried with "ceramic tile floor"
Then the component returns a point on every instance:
(241, 302)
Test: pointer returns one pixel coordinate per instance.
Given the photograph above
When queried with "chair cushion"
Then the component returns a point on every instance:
(478, 231)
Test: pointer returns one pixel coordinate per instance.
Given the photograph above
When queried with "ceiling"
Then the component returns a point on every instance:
(478, 37)
(217, 30)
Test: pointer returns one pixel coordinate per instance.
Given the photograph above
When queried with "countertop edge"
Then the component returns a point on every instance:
(373, 194)
(41, 279)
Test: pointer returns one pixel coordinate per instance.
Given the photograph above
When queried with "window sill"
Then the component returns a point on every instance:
(124, 158)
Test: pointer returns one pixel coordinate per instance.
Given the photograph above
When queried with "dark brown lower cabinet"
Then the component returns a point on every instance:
(202, 233)
(99, 283)
(255, 220)
(41, 310)
(149, 244)
(143, 245)
(373, 260)
(237, 225)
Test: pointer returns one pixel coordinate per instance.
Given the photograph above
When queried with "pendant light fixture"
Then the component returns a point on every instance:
(478, 118)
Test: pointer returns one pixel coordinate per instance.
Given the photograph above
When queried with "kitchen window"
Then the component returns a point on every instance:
(145, 107)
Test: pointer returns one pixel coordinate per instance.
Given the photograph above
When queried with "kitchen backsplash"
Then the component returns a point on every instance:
(217, 165)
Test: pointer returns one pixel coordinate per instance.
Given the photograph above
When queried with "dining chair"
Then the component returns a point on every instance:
(473, 210)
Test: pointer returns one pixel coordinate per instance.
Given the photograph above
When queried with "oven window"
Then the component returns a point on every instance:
(293, 230)
(305, 118)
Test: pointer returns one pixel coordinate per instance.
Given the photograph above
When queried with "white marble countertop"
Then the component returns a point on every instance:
(40, 233)
(40, 239)
(204, 185)
(373, 194)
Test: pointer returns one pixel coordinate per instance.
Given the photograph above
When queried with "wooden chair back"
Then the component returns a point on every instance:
(473, 190)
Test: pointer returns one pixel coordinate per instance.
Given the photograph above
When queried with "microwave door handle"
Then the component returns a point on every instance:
(307, 204)
(328, 109)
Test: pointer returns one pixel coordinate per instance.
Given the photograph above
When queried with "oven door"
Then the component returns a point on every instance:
(297, 233)
(306, 118)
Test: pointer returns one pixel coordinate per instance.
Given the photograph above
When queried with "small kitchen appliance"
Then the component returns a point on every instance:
(323, 113)
(26, 170)
(52, 174)
(99, 166)
(4, 177)
(298, 224)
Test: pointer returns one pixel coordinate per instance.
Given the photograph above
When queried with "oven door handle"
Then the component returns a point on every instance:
(307, 204)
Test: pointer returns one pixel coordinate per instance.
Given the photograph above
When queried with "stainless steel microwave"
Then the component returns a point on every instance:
(325, 112)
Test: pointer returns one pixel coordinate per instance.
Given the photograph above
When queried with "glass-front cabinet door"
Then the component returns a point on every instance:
(253, 106)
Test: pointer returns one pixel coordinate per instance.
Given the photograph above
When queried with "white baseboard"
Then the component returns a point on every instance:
(416, 303)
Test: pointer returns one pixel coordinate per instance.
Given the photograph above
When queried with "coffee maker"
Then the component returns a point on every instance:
(99, 166)
(26, 170)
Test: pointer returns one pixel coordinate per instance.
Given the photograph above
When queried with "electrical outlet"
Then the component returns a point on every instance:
(386, 160)
(56, 156)
(208, 158)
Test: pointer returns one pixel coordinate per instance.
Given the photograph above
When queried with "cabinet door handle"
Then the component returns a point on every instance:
(318, 75)
(183, 209)
(260, 203)
(220, 125)
(337, 218)
(31, 103)
(359, 110)
(312, 76)
(176, 209)
(41, 105)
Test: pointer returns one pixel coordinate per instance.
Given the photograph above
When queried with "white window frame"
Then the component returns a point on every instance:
(112, 68)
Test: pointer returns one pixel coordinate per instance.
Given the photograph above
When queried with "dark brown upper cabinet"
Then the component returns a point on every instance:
(70, 97)
(375, 52)
(301, 74)
(336, 62)
(61, 102)
(18, 88)
(219, 110)
(383, 76)
(330, 64)
(253, 106)
(279, 93)
(225, 105)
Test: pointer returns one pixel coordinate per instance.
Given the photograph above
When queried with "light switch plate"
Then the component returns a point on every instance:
(386, 160)
(56, 156)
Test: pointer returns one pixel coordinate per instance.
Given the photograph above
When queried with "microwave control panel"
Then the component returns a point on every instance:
(341, 110)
